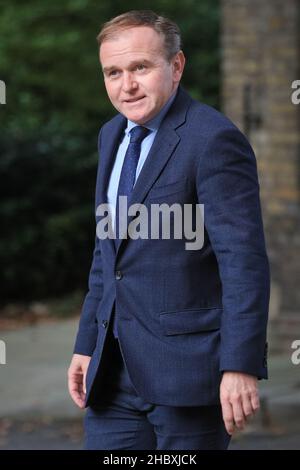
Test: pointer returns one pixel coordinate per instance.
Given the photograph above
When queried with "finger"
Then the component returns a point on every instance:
(75, 376)
(255, 403)
(74, 384)
(84, 383)
(238, 414)
(247, 406)
(228, 416)
(76, 392)
(78, 398)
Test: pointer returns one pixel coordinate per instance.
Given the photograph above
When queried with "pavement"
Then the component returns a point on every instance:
(36, 411)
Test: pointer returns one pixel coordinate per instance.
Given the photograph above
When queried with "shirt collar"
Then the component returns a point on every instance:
(154, 123)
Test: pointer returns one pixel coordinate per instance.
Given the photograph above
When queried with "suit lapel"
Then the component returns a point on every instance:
(163, 146)
(165, 142)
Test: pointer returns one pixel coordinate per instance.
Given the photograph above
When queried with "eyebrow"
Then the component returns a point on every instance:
(132, 64)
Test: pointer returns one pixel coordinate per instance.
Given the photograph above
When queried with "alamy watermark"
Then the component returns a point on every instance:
(2, 92)
(162, 221)
(2, 352)
(295, 357)
(295, 97)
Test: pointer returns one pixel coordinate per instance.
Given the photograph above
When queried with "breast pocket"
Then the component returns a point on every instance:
(161, 192)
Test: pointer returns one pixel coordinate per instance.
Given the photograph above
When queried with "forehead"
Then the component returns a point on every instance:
(132, 43)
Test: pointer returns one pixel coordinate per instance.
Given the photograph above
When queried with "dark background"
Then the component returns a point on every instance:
(56, 103)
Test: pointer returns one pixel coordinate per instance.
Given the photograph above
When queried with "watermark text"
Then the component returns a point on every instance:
(295, 97)
(295, 358)
(2, 352)
(159, 222)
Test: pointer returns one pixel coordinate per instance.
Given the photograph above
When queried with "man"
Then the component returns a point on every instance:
(171, 341)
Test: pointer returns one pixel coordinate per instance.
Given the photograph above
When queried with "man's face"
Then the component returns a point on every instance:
(138, 78)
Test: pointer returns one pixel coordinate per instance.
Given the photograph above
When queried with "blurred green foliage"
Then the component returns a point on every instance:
(56, 103)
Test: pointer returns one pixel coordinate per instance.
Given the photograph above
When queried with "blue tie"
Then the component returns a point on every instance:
(127, 178)
(126, 183)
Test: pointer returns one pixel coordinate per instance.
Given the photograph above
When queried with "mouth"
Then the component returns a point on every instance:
(134, 100)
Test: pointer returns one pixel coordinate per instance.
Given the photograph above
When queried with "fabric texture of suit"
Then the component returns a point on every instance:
(184, 316)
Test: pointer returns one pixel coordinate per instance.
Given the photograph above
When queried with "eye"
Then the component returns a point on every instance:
(140, 66)
(113, 73)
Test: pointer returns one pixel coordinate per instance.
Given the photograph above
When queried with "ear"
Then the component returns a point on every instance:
(178, 63)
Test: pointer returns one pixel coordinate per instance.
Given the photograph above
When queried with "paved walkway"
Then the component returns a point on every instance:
(37, 413)
(33, 381)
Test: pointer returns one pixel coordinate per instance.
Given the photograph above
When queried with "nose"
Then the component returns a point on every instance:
(129, 84)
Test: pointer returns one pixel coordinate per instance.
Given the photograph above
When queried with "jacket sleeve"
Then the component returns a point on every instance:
(88, 329)
(227, 185)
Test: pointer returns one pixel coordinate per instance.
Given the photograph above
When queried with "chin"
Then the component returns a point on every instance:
(138, 118)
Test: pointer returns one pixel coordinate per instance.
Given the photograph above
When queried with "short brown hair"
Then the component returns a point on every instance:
(133, 18)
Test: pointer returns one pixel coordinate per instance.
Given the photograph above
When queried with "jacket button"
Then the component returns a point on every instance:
(119, 275)
(104, 323)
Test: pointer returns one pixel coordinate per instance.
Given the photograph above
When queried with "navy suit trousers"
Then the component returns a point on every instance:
(122, 420)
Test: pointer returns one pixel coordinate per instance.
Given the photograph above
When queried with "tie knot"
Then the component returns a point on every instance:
(137, 134)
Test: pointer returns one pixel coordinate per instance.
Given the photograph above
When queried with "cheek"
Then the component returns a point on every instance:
(112, 90)
(160, 88)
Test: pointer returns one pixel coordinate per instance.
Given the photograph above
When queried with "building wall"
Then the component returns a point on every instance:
(260, 60)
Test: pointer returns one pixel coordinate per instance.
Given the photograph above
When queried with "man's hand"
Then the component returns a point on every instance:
(76, 378)
(239, 399)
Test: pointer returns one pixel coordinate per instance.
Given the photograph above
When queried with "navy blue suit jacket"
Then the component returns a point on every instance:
(184, 316)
